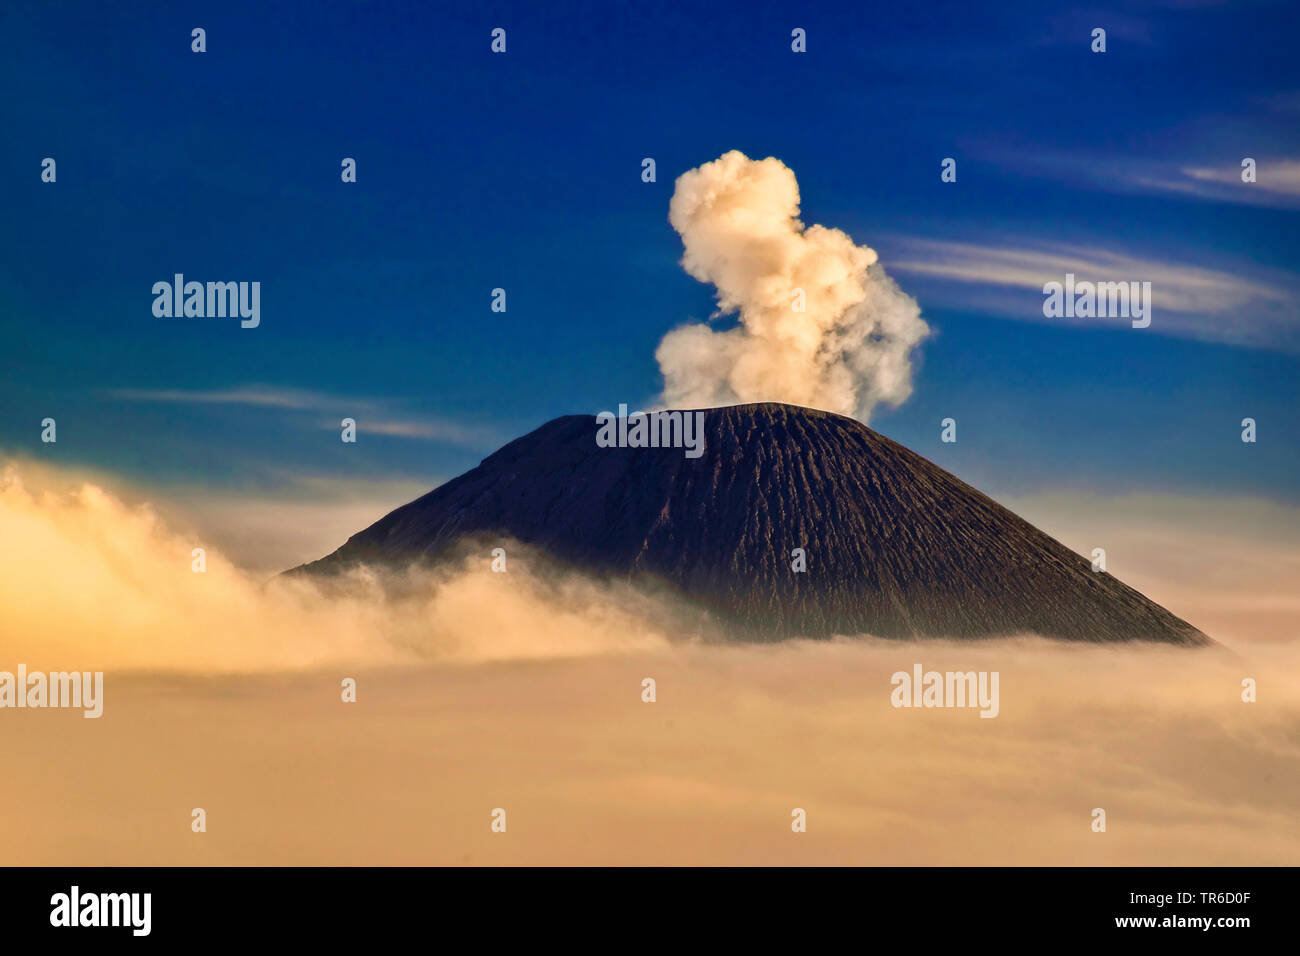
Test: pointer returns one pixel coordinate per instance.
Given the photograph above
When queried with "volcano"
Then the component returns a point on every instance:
(892, 545)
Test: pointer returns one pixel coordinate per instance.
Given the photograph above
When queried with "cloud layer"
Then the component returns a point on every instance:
(708, 774)
(88, 582)
(520, 691)
(820, 324)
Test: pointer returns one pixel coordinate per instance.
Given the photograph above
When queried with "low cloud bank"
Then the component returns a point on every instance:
(219, 680)
(89, 582)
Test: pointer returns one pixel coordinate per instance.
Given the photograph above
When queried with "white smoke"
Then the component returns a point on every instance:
(846, 352)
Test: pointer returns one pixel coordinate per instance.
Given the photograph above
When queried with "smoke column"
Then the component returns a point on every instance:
(820, 323)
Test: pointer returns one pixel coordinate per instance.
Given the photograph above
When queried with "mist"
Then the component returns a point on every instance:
(524, 691)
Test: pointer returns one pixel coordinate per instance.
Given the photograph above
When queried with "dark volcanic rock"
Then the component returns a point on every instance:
(896, 546)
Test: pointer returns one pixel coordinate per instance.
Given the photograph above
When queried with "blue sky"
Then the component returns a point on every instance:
(522, 171)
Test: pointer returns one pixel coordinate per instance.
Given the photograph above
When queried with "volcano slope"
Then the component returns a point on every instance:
(895, 546)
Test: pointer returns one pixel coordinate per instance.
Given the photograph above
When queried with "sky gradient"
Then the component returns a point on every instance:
(523, 171)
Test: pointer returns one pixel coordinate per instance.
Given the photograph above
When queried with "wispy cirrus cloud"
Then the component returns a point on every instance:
(1275, 178)
(373, 416)
(259, 395)
(1255, 307)
(1276, 184)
